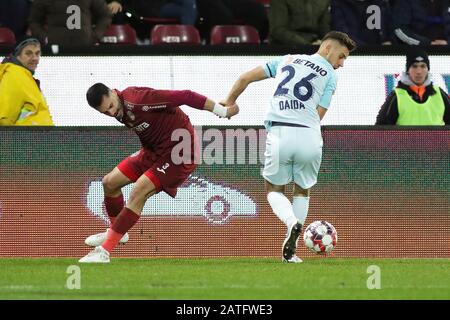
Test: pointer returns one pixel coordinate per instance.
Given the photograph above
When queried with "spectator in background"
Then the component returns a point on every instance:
(356, 18)
(298, 22)
(227, 12)
(116, 9)
(115, 6)
(55, 21)
(21, 100)
(422, 22)
(185, 11)
(14, 15)
(416, 101)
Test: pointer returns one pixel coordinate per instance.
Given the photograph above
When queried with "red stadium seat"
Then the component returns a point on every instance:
(7, 37)
(175, 33)
(120, 34)
(234, 34)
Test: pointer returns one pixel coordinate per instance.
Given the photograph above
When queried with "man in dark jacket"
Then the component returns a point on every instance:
(183, 10)
(422, 22)
(356, 18)
(132, 12)
(416, 101)
(298, 22)
(68, 22)
(220, 12)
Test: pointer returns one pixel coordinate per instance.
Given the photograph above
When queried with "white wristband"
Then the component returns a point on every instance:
(220, 110)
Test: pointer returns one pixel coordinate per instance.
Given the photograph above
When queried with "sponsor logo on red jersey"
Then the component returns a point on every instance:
(159, 106)
(141, 127)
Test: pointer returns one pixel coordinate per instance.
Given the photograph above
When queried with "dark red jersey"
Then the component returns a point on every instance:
(154, 114)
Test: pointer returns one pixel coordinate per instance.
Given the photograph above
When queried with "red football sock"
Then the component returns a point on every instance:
(124, 222)
(112, 239)
(113, 207)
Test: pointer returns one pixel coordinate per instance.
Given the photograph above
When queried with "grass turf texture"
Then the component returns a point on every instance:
(225, 278)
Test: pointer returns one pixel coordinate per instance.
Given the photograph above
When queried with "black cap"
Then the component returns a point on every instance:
(414, 55)
(23, 43)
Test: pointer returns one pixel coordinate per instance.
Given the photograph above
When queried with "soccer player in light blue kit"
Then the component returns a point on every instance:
(305, 85)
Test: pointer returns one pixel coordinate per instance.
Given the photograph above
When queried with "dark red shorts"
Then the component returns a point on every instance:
(164, 174)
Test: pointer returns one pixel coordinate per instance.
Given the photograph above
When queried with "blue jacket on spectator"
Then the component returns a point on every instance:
(419, 22)
(356, 18)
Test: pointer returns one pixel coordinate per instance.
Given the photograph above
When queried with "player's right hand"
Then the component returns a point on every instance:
(115, 7)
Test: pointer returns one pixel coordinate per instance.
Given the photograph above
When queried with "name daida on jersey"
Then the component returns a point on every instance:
(291, 105)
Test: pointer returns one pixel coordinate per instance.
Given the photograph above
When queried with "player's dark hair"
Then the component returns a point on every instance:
(95, 94)
(342, 38)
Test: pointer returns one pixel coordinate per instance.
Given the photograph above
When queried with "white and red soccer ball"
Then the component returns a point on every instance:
(320, 237)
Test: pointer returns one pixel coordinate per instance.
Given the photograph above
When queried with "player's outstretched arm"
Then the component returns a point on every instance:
(242, 83)
(199, 101)
(223, 111)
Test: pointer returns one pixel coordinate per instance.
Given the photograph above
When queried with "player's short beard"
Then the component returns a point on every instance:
(121, 110)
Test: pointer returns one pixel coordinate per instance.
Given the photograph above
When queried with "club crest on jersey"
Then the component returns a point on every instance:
(128, 105)
(131, 115)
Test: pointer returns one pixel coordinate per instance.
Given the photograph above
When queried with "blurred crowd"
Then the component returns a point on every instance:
(284, 22)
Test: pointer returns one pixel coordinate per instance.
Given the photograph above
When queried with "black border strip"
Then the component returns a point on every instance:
(223, 50)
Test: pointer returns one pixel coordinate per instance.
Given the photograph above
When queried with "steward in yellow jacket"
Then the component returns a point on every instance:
(416, 101)
(21, 100)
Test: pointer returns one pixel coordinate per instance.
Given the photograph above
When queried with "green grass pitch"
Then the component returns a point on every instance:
(225, 278)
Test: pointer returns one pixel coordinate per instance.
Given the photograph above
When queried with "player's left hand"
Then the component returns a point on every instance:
(232, 110)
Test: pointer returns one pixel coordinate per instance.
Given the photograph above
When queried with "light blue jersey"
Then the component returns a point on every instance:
(304, 82)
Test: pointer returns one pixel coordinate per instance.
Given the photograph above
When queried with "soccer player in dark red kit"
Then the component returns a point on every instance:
(154, 115)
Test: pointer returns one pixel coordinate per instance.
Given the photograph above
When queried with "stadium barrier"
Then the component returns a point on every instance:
(369, 75)
(386, 190)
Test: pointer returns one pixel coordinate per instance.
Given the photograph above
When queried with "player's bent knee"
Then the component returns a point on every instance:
(299, 191)
(270, 187)
(114, 181)
(107, 183)
(140, 194)
(111, 185)
(143, 189)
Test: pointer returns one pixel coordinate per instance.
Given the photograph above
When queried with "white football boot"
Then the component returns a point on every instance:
(98, 239)
(293, 259)
(98, 255)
